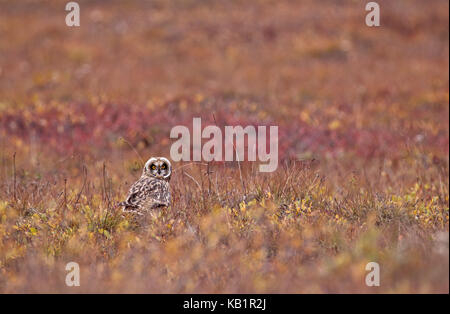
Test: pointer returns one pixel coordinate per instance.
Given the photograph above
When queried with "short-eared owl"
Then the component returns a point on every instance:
(152, 189)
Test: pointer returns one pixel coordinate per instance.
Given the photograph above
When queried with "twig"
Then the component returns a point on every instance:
(208, 172)
(240, 172)
(14, 167)
(202, 190)
(191, 163)
(199, 187)
(65, 195)
(106, 195)
(84, 184)
(104, 185)
(134, 149)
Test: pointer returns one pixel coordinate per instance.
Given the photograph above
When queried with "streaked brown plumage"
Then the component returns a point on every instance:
(152, 190)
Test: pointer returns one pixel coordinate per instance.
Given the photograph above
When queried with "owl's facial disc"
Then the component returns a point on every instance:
(158, 168)
(166, 167)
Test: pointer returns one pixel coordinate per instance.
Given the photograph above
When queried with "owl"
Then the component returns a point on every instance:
(151, 191)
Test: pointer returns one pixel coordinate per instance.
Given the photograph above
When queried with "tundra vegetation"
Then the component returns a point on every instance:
(363, 127)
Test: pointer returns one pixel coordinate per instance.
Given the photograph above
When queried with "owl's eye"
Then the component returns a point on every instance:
(163, 166)
(153, 167)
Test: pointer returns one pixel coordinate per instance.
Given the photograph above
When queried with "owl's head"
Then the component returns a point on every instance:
(158, 167)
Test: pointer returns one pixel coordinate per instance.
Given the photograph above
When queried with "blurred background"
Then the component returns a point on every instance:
(136, 68)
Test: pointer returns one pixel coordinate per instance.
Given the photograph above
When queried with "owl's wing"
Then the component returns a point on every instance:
(147, 191)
